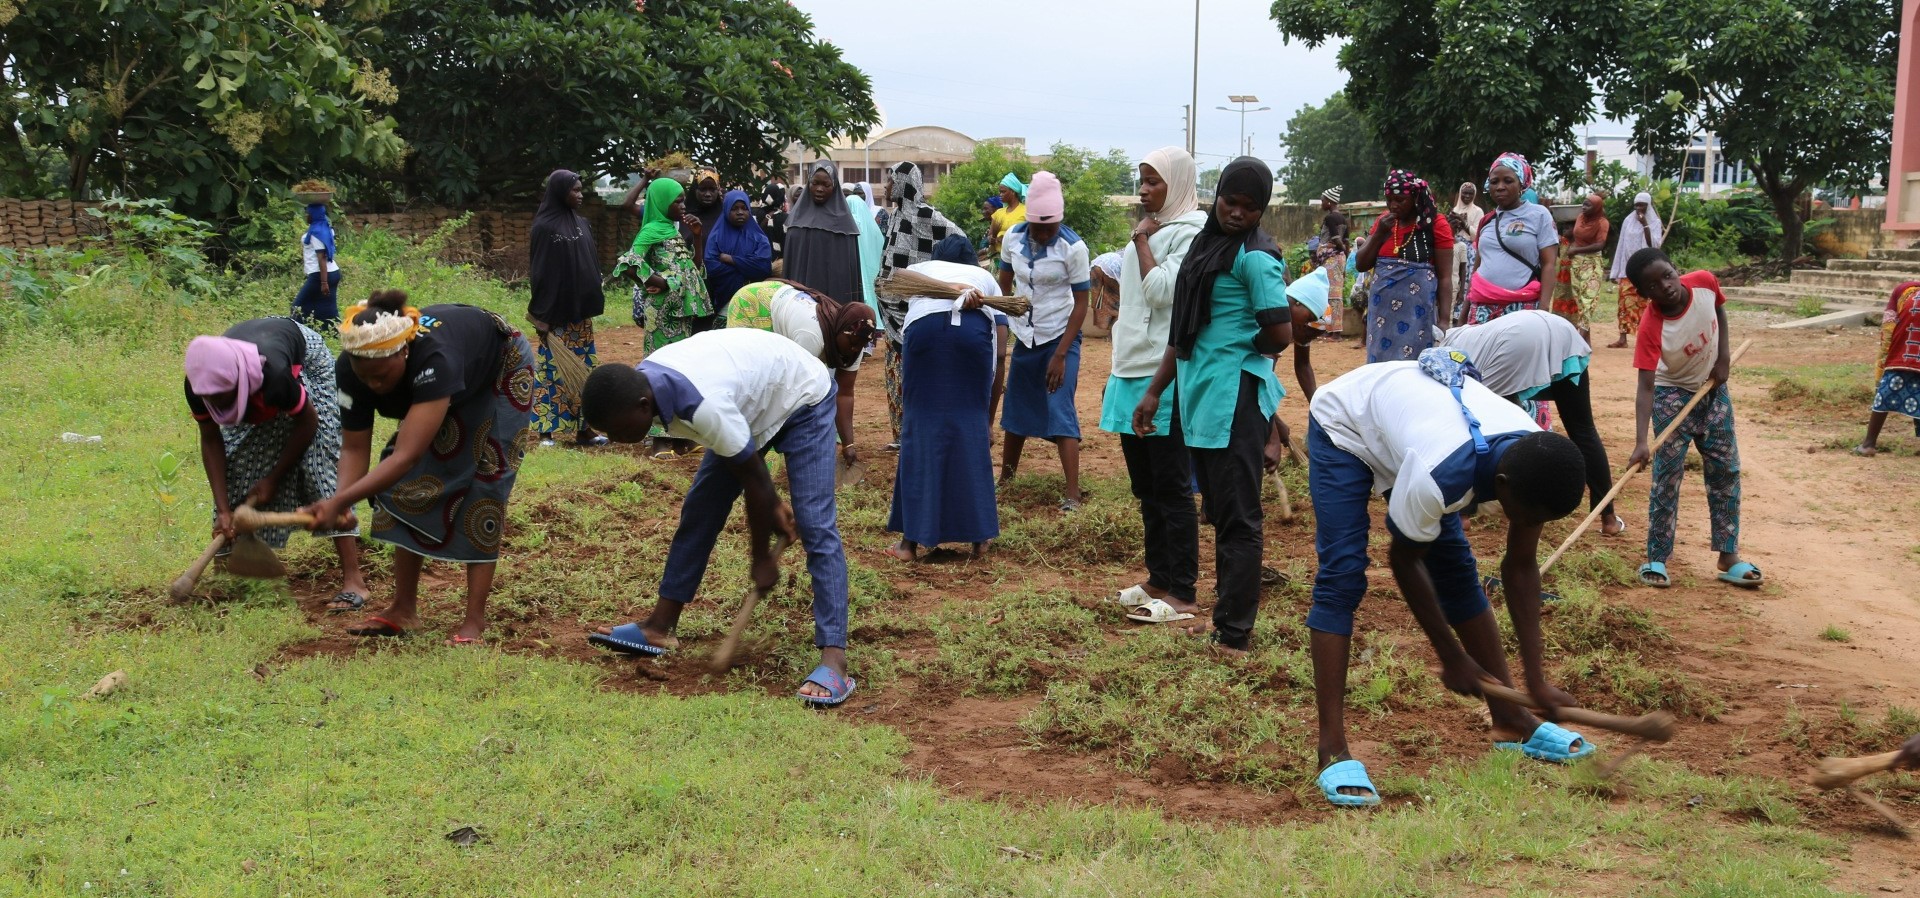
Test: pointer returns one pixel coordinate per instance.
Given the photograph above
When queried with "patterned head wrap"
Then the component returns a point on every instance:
(385, 335)
(1522, 169)
(1401, 182)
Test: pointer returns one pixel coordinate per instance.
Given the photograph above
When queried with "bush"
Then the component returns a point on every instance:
(1086, 179)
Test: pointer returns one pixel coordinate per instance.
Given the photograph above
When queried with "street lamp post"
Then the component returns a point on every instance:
(1243, 100)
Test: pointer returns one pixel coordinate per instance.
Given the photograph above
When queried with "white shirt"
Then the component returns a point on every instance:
(1146, 304)
(1520, 351)
(749, 383)
(1682, 350)
(310, 250)
(1048, 279)
(1407, 427)
(974, 276)
(796, 316)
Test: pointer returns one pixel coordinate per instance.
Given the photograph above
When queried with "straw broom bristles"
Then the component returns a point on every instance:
(571, 368)
(905, 284)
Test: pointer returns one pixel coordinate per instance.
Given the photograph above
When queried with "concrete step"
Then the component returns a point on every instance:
(1894, 255)
(1767, 295)
(1911, 269)
(1792, 293)
(1883, 281)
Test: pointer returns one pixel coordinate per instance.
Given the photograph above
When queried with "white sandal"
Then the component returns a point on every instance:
(1132, 597)
(1156, 611)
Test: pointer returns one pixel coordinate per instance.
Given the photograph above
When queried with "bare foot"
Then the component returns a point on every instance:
(1213, 645)
(1618, 344)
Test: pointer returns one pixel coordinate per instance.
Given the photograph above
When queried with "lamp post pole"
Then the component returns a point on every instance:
(1243, 100)
(1193, 106)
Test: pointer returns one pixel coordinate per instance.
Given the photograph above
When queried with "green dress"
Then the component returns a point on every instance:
(677, 312)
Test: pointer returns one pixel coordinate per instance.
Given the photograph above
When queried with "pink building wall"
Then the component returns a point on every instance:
(1903, 176)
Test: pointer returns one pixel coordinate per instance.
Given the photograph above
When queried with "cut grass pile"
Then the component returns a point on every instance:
(224, 767)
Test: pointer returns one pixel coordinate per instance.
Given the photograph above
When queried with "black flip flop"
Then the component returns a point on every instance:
(354, 600)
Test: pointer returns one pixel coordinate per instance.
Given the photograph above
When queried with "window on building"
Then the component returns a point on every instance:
(1696, 168)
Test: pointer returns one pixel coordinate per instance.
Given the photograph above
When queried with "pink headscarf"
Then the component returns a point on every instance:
(1045, 204)
(218, 364)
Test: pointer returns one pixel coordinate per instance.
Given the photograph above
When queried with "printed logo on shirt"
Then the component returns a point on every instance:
(1698, 344)
(426, 376)
(346, 399)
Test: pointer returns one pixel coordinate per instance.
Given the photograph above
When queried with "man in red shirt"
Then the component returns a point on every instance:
(1682, 347)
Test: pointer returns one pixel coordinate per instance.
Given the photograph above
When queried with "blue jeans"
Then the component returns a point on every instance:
(808, 443)
(1341, 485)
(314, 309)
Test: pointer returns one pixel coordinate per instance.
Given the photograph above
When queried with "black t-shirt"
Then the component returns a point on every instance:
(456, 357)
(283, 349)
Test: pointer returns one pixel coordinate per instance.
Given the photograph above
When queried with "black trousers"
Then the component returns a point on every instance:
(1230, 487)
(1574, 402)
(1162, 475)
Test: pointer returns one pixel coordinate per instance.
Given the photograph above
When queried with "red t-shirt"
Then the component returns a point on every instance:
(1682, 350)
(1398, 235)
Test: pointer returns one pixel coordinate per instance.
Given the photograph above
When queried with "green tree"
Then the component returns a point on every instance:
(1799, 90)
(210, 106)
(494, 94)
(1327, 145)
(1449, 86)
(1086, 180)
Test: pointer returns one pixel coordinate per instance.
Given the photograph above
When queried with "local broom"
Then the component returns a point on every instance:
(571, 368)
(904, 284)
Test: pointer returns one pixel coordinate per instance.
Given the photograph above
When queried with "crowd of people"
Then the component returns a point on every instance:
(759, 317)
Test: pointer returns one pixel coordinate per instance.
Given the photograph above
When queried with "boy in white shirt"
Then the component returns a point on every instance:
(739, 392)
(1682, 346)
(1392, 428)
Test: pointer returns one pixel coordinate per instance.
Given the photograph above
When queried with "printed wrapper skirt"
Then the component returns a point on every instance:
(1400, 310)
(555, 408)
(253, 449)
(453, 504)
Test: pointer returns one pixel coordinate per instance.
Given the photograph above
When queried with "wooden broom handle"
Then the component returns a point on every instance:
(246, 520)
(183, 585)
(1657, 726)
(1627, 475)
(1837, 772)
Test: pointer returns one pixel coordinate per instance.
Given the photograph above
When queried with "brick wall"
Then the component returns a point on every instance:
(39, 223)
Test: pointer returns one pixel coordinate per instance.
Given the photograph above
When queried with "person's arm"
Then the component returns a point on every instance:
(692, 223)
(843, 413)
(1156, 285)
(1443, 267)
(630, 203)
(1340, 231)
(213, 457)
(758, 264)
(325, 260)
(1458, 671)
(416, 434)
(1642, 420)
(1057, 366)
(1370, 250)
(1005, 277)
(1143, 244)
(1303, 369)
(1149, 406)
(1549, 261)
(1909, 754)
(1722, 363)
(305, 424)
(1265, 278)
(766, 514)
(1520, 579)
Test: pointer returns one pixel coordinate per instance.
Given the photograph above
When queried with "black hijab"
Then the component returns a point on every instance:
(1214, 251)
(563, 267)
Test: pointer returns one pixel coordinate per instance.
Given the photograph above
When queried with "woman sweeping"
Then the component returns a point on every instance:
(670, 300)
(913, 230)
(1897, 388)
(1047, 262)
(1518, 245)
(738, 252)
(1640, 230)
(823, 237)
(317, 303)
(837, 333)
(264, 396)
(563, 271)
(1410, 253)
(943, 492)
(460, 382)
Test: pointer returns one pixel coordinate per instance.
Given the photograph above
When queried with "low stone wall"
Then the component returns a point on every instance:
(1853, 232)
(27, 224)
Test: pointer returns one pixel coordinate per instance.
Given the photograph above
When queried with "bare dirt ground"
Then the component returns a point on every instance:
(1834, 534)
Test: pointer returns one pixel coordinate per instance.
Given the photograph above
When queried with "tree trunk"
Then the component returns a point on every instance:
(1786, 207)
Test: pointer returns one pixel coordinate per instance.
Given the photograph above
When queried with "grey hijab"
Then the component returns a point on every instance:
(832, 216)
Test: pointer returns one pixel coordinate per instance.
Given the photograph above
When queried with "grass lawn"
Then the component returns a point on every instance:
(223, 768)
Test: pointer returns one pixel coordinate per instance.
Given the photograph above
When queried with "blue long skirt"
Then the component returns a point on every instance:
(943, 490)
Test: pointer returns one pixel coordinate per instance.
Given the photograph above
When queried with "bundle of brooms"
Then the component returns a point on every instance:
(911, 284)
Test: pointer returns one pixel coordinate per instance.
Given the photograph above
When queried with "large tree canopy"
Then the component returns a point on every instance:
(1086, 180)
(202, 104)
(1448, 86)
(1800, 90)
(1331, 144)
(494, 94)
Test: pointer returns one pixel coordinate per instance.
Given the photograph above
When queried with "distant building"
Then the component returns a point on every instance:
(935, 149)
(1727, 173)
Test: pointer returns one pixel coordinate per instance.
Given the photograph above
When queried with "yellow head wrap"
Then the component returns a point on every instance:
(385, 335)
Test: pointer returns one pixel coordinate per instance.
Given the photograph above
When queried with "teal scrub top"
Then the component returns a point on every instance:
(1208, 384)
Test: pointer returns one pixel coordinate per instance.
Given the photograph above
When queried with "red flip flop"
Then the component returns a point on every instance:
(375, 625)
(458, 640)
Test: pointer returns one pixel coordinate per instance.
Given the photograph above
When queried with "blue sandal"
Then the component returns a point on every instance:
(1655, 569)
(1347, 774)
(839, 688)
(1551, 742)
(627, 639)
(1737, 575)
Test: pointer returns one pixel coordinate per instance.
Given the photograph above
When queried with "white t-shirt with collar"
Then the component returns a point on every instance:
(1047, 275)
(750, 383)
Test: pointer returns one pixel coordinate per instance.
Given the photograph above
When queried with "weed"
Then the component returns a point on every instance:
(1809, 307)
(1835, 634)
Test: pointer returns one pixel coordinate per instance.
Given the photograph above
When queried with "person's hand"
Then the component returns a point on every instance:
(223, 524)
(1147, 227)
(325, 289)
(262, 492)
(1639, 457)
(850, 454)
(539, 327)
(971, 299)
(1464, 677)
(1720, 371)
(1143, 415)
(691, 222)
(727, 258)
(656, 284)
(1909, 754)
(1056, 371)
(1270, 455)
(1551, 699)
(326, 515)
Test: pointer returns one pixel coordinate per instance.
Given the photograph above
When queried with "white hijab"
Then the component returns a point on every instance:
(1175, 167)
(1632, 237)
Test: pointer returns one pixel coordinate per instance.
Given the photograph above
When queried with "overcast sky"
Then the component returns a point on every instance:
(1105, 74)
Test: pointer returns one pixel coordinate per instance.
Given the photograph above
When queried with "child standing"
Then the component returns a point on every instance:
(1682, 347)
(1898, 379)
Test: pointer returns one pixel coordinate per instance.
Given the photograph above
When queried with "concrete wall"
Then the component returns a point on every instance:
(1853, 232)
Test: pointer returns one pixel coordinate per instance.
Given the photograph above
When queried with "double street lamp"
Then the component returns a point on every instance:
(1243, 100)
